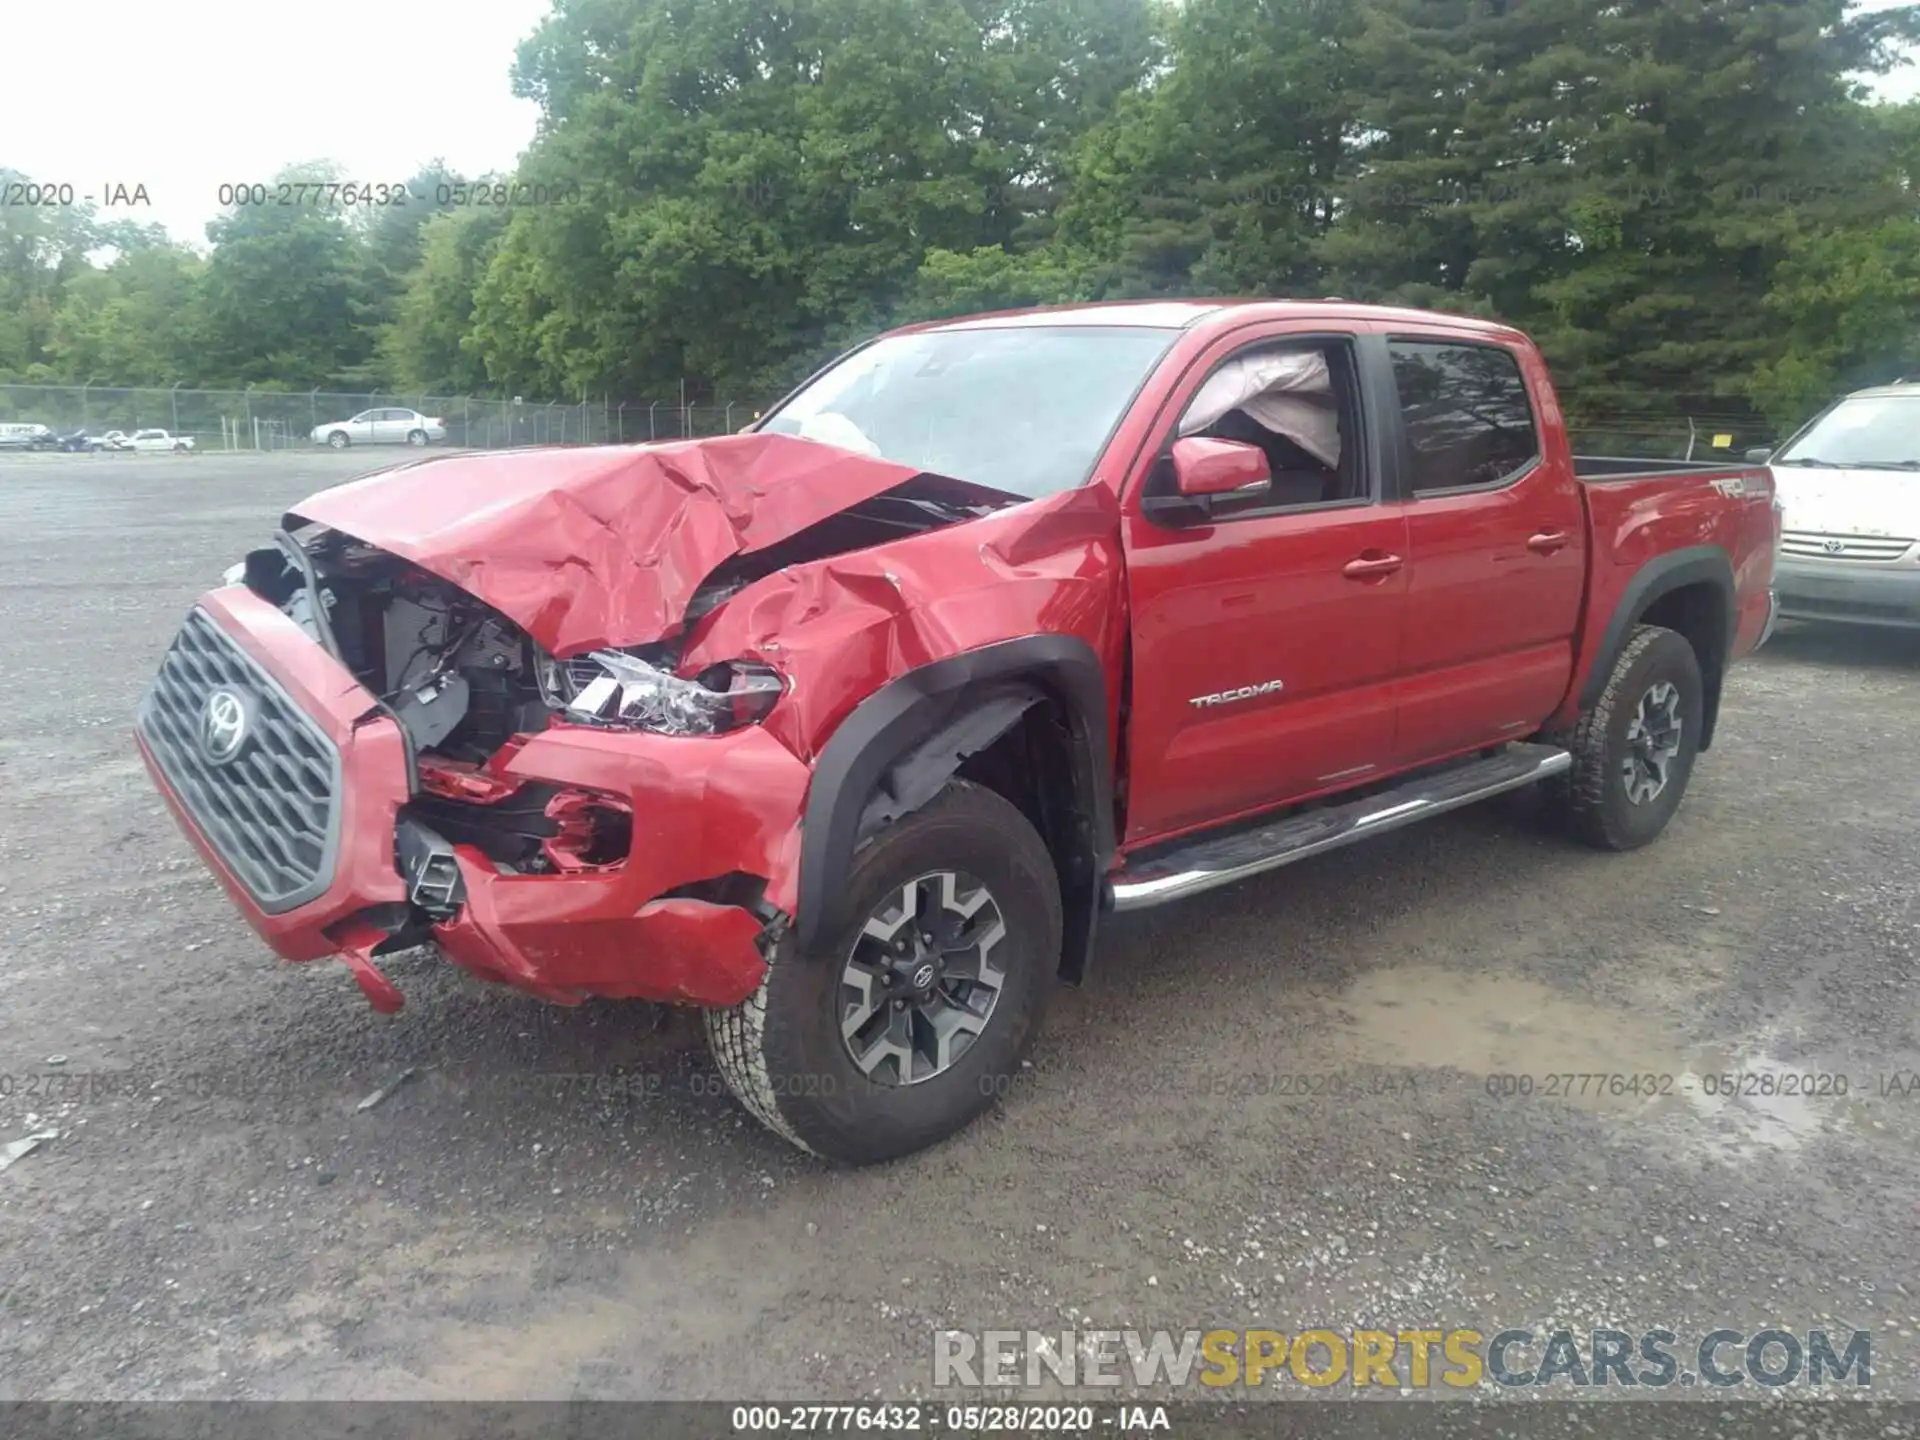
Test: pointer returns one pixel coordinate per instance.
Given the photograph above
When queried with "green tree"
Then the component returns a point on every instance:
(1847, 304)
(1846, 300)
(758, 183)
(1220, 176)
(42, 249)
(429, 347)
(1623, 179)
(393, 241)
(990, 278)
(133, 321)
(285, 295)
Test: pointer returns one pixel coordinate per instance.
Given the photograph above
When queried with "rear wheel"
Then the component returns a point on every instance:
(416, 437)
(1633, 752)
(914, 1017)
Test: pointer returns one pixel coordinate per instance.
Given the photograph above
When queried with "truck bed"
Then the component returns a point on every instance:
(1645, 518)
(1634, 467)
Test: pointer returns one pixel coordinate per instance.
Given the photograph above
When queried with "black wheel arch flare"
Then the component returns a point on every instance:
(1661, 576)
(902, 743)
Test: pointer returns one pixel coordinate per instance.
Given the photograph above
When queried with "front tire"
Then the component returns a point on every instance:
(338, 440)
(1633, 752)
(914, 1017)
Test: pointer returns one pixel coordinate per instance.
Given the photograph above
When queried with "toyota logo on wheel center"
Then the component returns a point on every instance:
(223, 729)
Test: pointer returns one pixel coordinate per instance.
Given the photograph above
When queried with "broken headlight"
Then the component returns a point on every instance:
(614, 687)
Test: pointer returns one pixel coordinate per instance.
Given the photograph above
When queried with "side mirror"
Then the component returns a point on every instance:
(1203, 468)
(1759, 455)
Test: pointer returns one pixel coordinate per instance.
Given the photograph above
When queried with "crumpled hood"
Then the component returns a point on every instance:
(603, 546)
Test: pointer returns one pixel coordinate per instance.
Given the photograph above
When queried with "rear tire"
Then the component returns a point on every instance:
(1633, 752)
(416, 437)
(967, 867)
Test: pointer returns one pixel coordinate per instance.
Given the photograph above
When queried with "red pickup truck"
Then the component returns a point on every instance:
(849, 729)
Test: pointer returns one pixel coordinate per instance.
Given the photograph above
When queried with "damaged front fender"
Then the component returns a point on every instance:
(906, 658)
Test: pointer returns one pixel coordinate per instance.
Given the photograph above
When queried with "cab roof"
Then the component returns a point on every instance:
(1189, 314)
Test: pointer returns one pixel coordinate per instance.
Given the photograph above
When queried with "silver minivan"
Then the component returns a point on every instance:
(1849, 483)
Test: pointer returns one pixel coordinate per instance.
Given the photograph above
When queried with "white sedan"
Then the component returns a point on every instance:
(152, 440)
(381, 427)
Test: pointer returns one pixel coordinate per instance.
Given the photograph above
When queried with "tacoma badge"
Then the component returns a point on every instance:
(1245, 692)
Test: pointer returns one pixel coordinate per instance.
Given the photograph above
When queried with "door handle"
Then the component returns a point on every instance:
(1371, 567)
(1547, 541)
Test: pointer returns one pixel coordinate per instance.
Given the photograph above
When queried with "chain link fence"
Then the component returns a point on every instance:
(256, 419)
(1723, 432)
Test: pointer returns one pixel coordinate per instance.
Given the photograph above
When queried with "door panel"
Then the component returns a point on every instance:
(1305, 594)
(1461, 705)
(1490, 618)
(1496, 535)
(1240, 604)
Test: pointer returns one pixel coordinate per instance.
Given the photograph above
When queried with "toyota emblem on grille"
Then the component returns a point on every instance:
(1834, 547)
(223, 730)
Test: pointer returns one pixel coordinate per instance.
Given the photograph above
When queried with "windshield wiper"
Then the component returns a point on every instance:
(1885, 464)
(1808, 460)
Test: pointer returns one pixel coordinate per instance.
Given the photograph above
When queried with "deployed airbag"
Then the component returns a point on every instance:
(1288, 391)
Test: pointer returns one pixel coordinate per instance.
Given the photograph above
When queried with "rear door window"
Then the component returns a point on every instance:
(1468, 419)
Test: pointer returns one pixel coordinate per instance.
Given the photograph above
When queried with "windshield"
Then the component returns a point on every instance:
(1873, 432)
(1025, 409)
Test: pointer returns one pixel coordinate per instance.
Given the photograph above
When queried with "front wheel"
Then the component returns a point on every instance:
(1633, 752)
(338, 440)
(913, 1018)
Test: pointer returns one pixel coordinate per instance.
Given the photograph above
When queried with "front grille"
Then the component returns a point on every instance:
(1814, 545)
(269, 811)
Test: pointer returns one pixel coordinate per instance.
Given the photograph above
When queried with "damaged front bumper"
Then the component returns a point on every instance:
(295, 786)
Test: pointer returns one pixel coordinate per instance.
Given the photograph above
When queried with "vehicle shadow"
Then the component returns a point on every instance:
(1843, 646)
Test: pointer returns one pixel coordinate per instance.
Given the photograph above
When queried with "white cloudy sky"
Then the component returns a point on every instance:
(182, 95)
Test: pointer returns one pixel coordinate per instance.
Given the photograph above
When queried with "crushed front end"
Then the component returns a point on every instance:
(370, 758)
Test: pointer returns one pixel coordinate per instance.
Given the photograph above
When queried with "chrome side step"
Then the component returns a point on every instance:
(1206, 863)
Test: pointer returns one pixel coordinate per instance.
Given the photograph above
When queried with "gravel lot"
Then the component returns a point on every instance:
(561, 1203)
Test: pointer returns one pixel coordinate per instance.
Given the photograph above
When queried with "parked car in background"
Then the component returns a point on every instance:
(23, 436)
(151, 440)
(79, 442)
(385, 426)
(1850, 485)
(849, 730)
(116, 440)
